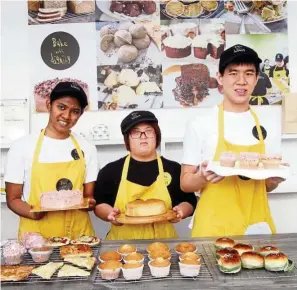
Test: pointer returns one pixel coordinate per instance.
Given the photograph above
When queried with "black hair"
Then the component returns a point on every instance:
(241, 61)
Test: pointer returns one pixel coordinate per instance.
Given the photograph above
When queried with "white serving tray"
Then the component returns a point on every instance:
(258, 174)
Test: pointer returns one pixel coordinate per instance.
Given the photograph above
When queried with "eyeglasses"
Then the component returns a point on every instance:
(135, 134)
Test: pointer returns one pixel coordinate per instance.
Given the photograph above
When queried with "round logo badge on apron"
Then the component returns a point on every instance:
(64, 184)
(167, 178)
(75, 155)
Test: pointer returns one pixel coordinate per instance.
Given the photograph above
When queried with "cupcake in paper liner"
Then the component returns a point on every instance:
(189, 268)
(185, 247)
(110, 270)
(126, 250)
(132, 271)
(134, 257)
(110, 256)
(160, 267)
(190, 256)
(165, 254)
(157, 246)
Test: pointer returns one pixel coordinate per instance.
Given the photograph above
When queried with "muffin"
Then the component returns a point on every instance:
(13, 253)
(110, 256)
(227, 159)
(125, 250)
(177, 46)
(249, 160)
(134, 257)
(264, 251)
(189, 256)
(242, 248)
(189, 268)
(252, 260)
(185, 247)
(224, 243)
(40, 255)
(226, 251)
(157, 246)
(271, 161)
(200, 47)
(153, 255)
(159, 267)
(132, 271)
(110, 270)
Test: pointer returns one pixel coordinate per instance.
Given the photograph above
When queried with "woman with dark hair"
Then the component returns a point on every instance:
(142, 174)
(266, 67)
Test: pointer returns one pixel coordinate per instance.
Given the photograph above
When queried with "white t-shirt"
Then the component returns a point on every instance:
(20, 157)
(201, 136)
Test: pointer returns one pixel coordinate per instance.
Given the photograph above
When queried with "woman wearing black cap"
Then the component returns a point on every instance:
(141, 175)
(54, 159)
(233, 205)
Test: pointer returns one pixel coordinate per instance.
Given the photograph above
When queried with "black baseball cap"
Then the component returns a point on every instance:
(238, 53)
(135, 118)
(279, 57)
(71, 89)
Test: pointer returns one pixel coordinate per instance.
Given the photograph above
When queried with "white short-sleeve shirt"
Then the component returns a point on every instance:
(20, 157)
(201, 135)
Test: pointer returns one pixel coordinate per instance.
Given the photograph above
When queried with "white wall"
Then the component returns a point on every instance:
(16, 84)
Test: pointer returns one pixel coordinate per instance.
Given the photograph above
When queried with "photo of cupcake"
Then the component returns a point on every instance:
(110, 270)
(160, 267)
(200, 47)
(216, 47)
(132, 271)
(187, 29)
(177, 46)
(189, 268)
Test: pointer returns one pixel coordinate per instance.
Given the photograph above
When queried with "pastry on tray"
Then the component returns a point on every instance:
(189, 256)
(57, 241)
(110, 270)
(165, 254)
(271, 161)
(134, 257)
(189, 268)
(71, 271)
(264, 251)
(230, 264)
(249, 160)
(145, 208)
(252, 260)
(276, 262)
(228, 159)
(87, 262)
(110, 256)
(226, 251)
(48, 270)
(224, 243)
(76, 251)
(160, 267)
(132, 271)
(157, 246)
(126, 249)
(241, 248)
(86, 240)
(41, 255)
(15, 273)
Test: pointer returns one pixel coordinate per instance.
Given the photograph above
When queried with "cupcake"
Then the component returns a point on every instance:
(242, 248)
(13, 253)
(200, 46)
(227, 159)
(249, 160)
(110, 270)
(134, 257)
(165, 254)
(157, 246)
(125, 250)
(177, 46)
(187, 29)
(185, 247)
(271, 161)
(159, 267)
(41, 255)
(164, 32)
(190, 256)
(110, 256)
(189, 268)
(216, 47)
(132, 271)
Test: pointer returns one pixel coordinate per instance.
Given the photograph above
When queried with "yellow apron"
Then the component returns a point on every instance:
(44, 177)
(232, 205)
(259, 99)
(278, 76)
(266, 71)
(129, 191)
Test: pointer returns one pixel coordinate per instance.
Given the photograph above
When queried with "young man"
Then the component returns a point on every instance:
(278, 74)
(143, 174)
(259, 94)
(233, 205)
(53, 159)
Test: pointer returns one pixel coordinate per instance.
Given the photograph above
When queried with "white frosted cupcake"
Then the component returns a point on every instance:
(160, 267)
(132, 271)
(189, 268)
(110, 270)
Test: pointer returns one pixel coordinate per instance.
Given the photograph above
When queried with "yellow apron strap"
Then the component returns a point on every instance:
(160, 167)
(77, 147)
(221, 133)
(261, 139)
(125, 168)
(38, 147)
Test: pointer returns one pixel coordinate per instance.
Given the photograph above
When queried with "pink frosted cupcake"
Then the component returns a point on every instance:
(227, 159)
(271, 161)
(249, 160)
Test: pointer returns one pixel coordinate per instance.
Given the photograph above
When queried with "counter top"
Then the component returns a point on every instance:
(209, 278)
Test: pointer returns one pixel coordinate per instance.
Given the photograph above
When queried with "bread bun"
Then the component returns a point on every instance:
(229, 264)
(276, 262)
(241, 248)
(252, 260)
(226, 251)
(224, 243)
(142, 208)
(264, 251)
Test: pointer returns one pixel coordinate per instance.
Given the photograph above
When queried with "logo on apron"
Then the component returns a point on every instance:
(167, 178)
(75, 155)
(64, 184)
(256, 135)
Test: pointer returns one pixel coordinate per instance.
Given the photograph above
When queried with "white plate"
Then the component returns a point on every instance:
(258, 174)
(104, 6)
